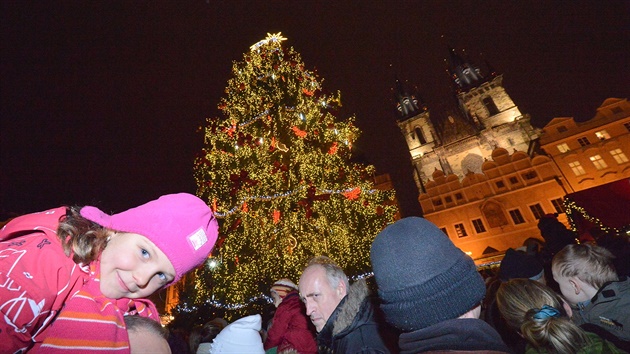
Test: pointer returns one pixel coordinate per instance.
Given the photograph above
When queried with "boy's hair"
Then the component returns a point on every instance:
(520, 302)
(591, 264)
(81, 238)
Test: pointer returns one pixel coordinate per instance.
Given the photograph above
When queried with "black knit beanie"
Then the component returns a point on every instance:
(517, 264)
(422, 278)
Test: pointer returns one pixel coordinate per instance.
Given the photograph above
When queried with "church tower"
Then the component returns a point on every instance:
(415, 124)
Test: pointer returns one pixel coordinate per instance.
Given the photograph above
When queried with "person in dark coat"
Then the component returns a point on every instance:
(431, 291)
(290, 328)
(343, 315)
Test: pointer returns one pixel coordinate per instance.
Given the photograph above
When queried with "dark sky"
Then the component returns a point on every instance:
(101, 101)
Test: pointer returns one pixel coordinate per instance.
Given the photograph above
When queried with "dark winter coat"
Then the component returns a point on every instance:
(609, 309)
(352, 327)
(466, 335)
(291, 328)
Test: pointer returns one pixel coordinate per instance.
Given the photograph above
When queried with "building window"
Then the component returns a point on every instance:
(513, 180)
(458, 196)
(530, 175)
(478, 224)
(460, 230)
(619, 156)
(448, 199)
(444, 231)
(627, 125)
(420, 136)
(561, 129)
(500, 184)
(584, 141)
(490, 106)
(537, 210)
(616, 110)
(602, 135)
(437, 202)
(558, 205)
(564, 147)
(599, 163)
(517, 217)
(577, 168)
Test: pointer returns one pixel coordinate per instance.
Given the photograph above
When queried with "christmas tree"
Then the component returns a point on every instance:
(276, 170)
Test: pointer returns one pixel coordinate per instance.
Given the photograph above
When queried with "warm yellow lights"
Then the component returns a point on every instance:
(276, 169)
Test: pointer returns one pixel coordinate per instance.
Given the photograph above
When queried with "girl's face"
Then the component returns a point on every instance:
(133, 267)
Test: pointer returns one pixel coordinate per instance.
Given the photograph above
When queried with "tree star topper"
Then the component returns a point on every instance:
(276, 37)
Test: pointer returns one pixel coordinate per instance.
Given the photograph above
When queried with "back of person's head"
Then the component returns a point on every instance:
(146, 335)
(334, 273)
(282, 288)
(518, 264)
(422, 278)
(590, 263)
(240, 337)
(201, 337)
(539, 314)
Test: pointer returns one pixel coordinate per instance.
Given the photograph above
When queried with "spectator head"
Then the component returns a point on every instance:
(240, 337)
(146, 336)
(581, 270)
(540, 316)
(322, 286)
(518, 264)
(422, 278)
(280, 289)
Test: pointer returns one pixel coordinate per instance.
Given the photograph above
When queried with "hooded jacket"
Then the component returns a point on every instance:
(352, 327)
(608, 309)
(291, 328)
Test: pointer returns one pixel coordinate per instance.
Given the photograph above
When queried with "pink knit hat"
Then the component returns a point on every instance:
(180, 225)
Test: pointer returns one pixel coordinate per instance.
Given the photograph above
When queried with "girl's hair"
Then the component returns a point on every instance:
(81, 238)
(537, 312)
(590, 263)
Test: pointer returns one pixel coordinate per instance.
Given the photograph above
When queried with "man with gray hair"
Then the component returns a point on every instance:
(342, 314)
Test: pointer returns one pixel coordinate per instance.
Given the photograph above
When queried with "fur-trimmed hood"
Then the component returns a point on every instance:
(350, 310)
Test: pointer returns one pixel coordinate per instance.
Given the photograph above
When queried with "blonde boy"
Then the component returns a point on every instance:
(589, 282)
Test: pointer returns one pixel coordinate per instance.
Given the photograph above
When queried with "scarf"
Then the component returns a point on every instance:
(92, 322)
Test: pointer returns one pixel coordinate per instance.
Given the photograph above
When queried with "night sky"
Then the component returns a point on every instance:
(101, 101)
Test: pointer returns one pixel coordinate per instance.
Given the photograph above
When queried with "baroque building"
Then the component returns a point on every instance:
(593, 152)
(474, 166)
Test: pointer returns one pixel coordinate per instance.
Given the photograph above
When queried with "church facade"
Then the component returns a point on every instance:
(474, 165)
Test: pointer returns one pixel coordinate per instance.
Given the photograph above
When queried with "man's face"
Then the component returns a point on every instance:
(320, 298)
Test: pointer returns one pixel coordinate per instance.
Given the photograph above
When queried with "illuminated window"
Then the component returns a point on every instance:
(558, 205)
(517, 217)
(537, 210)
(584, 141)
(577, 168)
(599, 163)
(563, 147)
(478, 224)
(619, 156)
(460, 230)
(602, 135)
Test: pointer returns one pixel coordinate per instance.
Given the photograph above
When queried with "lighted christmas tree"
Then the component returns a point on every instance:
(276, 170)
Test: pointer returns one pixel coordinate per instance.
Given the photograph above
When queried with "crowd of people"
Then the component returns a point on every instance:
(90, 293)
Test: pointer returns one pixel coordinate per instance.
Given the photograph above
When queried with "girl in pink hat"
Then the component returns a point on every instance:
(68, 276)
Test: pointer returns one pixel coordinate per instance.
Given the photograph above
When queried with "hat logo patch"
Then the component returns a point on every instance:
(198, 239)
